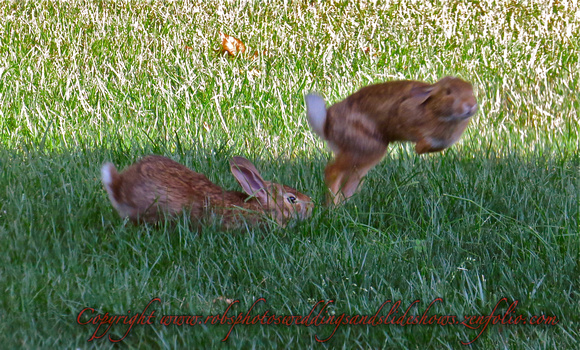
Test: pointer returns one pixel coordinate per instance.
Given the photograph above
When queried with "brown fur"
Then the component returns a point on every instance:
(157, 187)
(359, 128)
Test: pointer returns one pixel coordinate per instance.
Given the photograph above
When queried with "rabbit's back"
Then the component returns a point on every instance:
(157, 185)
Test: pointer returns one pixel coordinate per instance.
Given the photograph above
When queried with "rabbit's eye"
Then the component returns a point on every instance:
(448, 91)
(291, 199)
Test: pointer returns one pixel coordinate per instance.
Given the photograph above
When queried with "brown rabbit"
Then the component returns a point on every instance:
(359, 128)
(158, 187)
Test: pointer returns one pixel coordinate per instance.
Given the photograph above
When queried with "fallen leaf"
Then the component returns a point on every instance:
(231, 45)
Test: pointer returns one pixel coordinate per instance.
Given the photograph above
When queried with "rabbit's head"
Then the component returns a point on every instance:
(279, 201)
(450, 98)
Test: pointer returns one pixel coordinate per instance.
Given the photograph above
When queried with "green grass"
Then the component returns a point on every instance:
(497, 215)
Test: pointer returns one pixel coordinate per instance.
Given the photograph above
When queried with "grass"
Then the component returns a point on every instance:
(496, 215)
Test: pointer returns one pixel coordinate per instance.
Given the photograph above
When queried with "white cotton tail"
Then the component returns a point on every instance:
(107, 172)
(316, 112)
(109, 176)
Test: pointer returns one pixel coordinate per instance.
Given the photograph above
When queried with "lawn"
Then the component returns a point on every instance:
(445, 235)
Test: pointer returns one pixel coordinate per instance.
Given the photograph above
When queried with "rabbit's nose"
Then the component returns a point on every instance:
(473, 108)
(469, 109)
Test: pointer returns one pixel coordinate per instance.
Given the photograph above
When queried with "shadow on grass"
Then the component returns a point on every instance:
(468, 229)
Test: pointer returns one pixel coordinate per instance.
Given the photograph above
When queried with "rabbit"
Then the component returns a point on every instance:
(359, 128)
(157, 187)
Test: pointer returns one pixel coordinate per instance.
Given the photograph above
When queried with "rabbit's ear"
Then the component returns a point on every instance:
(422, 93)
(249, 178)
